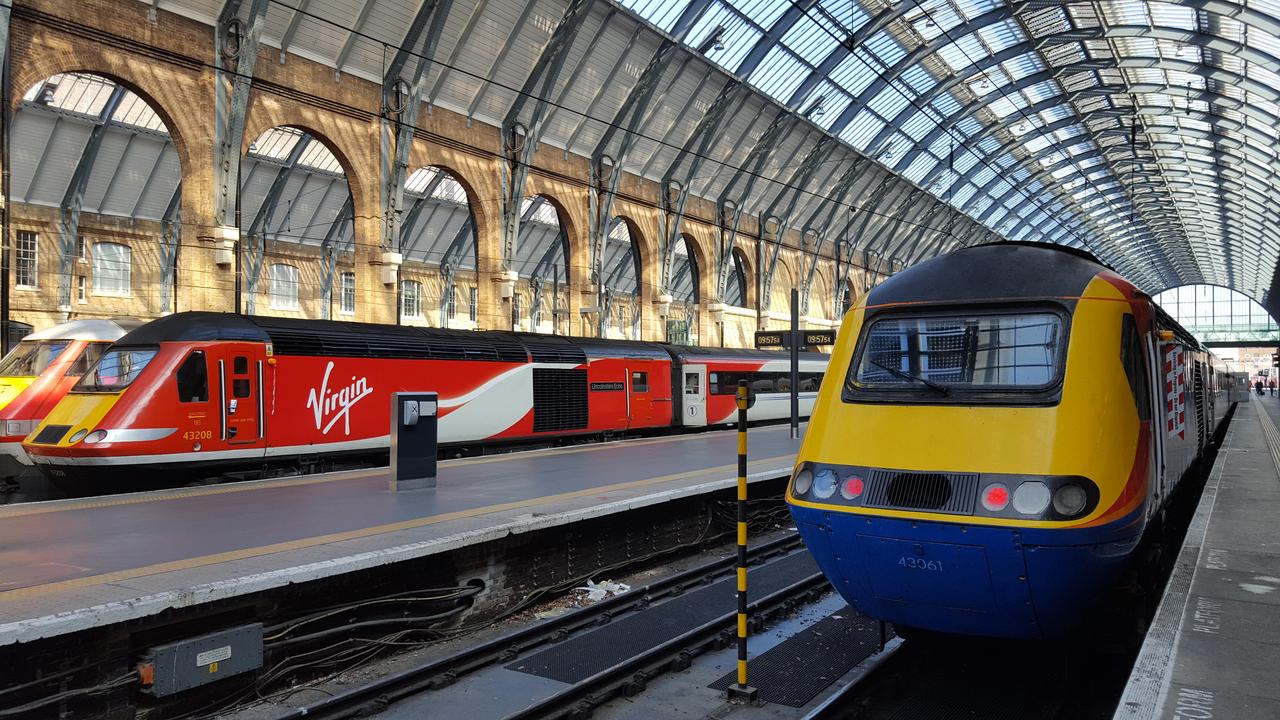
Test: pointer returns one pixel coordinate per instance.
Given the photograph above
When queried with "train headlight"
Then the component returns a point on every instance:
(1031, 498)
(95, 437)
(1070, 499)
(77, 436)
(824, 483)
(995, 497)
(802, 482)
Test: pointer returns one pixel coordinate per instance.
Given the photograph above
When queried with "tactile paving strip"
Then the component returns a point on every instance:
(794, 671)
(589, 653)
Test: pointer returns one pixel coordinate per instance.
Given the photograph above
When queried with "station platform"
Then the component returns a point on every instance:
(73, 565)
(1213, 648)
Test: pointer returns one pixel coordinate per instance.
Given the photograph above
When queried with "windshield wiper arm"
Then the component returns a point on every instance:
(939, 387)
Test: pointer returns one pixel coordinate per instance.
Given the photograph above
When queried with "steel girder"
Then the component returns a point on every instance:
(73, 198)
(625, 129)
(170, 242)
(266, 211)
(695, 149)
(329, 252)
(401, 103)
(520, 134)
(235, 54)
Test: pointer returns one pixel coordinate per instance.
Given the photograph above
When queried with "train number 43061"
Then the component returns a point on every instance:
(916, 563)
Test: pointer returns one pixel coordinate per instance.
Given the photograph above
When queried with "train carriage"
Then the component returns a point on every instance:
(999, 427)
(195, 394)
(39, 371)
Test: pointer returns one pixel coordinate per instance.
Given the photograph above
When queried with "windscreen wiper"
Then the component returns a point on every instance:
(939, 387)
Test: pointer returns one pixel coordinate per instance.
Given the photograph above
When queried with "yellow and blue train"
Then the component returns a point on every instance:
(997, 429)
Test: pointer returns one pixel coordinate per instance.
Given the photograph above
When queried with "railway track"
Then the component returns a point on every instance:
(797, 581)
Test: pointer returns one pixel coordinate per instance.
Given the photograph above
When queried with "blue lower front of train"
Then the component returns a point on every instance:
(968, 579)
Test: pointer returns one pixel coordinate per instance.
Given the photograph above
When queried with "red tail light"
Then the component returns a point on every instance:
(995, 497)
(852, 487)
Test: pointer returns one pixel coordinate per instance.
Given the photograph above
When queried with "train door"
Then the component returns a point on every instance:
(1159, 416)
(240, 388)
(695, 395)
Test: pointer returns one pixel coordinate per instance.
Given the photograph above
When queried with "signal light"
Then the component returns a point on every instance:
(95, 437)
(995, 497)
(852, 487)
(1031, 498)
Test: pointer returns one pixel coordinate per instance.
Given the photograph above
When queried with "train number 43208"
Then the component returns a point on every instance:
(920, 563)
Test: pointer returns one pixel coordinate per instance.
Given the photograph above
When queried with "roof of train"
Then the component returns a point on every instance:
(292, 336)
(91, 329)
(997, 271)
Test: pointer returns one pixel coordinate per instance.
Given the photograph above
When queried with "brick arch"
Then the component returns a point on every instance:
(478, 215)
(350, 169)
(568, 230)
(28, 72)
(702, 265)
(642, 251)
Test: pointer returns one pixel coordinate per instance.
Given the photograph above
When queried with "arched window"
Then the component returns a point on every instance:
(112, 269)
(283, 292)
(411, 299)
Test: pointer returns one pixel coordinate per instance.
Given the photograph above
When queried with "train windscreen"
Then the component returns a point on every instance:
(31, 357)
(969, 353)
(116, 369)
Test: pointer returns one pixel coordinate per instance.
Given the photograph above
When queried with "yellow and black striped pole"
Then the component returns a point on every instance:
(742, 691)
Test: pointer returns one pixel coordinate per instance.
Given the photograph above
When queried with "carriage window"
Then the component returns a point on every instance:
(691, 385)
(240, 387)
(639, 382)
(240, 365)
(1134, 368)
(193, 378)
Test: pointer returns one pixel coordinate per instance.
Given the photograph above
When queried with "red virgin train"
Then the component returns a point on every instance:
(204, 394)
(38, 371)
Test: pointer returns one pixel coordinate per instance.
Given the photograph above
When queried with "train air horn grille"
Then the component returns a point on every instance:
(951, 493)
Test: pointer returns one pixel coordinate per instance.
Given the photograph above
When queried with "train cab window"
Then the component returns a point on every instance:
(691, 385)
(193, 378)
(1001, 357)
(117, 369)
(240, 365)
(639, 382)
(1134, 368)
(31, 357)
(91, 353)
(240, 387)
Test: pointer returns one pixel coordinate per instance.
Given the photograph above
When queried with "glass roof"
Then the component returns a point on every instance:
(1144, 131)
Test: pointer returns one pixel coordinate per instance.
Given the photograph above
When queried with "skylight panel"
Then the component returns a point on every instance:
(1037, 144)
(319, 157)
(659, 12)
(1005, 106)
(920, 167)
(984, 176)
(738, 36)
(1265, 76)
(1001, 36)
(886, 48)
(779, 74)
(1171, 15)
(889, 102)
(946, 105)
(964, 160)
(1125, 12)
(1022, 66)
(1263, 41)
(865, 126)
(1041, 91)
(961, 53)
(763, 12)
(930, 19)
(856, 72)
(135, 111)
(918, 125)
(1136, 47)
(961, 196)
(276, 143)
(809, 40)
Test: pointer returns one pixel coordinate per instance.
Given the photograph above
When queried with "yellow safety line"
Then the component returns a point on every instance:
(189, 563)
(20, 510)
(1270, 433)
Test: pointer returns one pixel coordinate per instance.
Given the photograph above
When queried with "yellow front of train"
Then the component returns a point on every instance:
(976, 461)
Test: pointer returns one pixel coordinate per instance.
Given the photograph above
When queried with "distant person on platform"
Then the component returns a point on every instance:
(1273, 387)
(1257, 385)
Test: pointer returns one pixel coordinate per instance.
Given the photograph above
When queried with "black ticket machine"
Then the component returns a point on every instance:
(413, 440)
